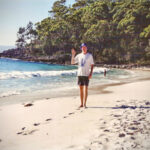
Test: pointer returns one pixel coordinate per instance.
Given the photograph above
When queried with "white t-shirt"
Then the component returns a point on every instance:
(84, 63)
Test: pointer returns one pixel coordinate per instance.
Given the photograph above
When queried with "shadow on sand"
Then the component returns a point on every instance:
(122, 107)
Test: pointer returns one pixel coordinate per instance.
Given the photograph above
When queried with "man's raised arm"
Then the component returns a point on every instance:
(73, 56)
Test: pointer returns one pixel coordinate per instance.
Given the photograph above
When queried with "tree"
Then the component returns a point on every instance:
(31, 35)
(20, 42)
(115, 31)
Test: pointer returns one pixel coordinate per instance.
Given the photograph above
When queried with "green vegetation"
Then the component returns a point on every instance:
(115, 32)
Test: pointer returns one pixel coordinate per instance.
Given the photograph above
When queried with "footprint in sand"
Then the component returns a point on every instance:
(104, 122)
(19, 132)
(133, 138)
(117, 115)
(147, 103)
(27, 105)
(30, 132)
(23, 128)
(96, 141)
(118, 101)
(136, 123)
(141, 119)
(117, 143)
(101, 135)
(133, 128)
(134, 145)
(49, 119)
(106, 139)
(102, 127)
(27, 132)
(71, 113)
(122, 135)
(106, 130)
(0, 140)
(71, 146)
(36, 124)
(130, 133)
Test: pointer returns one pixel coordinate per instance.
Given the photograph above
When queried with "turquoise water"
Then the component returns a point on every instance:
(18, 77)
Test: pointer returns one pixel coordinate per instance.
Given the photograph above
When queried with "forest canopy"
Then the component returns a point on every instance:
(116, 32)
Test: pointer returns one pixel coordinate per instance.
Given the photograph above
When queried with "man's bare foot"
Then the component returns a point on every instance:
(85, 106)
(80, 106)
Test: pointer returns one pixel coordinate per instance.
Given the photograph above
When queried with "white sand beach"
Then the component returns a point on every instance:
(117, 119)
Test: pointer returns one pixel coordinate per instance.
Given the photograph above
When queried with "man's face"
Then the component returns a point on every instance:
(84, 49)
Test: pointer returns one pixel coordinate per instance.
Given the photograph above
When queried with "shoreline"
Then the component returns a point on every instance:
(116, 119)
(117, 66)
(93, 89)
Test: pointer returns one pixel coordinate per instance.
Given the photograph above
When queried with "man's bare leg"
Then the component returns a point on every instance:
(81, 95)
(86, 95)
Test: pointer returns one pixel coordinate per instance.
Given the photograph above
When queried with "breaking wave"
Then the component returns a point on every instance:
(32, 74)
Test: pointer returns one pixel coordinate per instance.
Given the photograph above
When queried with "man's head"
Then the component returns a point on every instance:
(83, 48)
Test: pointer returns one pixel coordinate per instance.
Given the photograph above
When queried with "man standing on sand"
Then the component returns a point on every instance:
(85, 69)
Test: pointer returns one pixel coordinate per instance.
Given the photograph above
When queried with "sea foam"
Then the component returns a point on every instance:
(31, 74)
(10, 93)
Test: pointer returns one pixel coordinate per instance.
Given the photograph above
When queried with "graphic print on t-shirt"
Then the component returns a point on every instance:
(83, 62)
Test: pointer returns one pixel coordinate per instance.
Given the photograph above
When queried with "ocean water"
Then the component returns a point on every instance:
(20, 77)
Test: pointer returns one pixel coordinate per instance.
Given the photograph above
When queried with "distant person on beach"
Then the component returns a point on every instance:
(104, 72)
(85, 70)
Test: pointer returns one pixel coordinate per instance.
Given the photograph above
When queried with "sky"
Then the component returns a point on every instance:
(18, 13)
